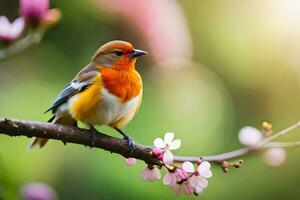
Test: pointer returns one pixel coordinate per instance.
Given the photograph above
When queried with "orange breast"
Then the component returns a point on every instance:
(125, 84)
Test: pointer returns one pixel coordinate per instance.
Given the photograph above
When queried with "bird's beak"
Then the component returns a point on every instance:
(136, 53)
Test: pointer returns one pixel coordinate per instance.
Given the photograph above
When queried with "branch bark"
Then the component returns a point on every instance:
(66, 134)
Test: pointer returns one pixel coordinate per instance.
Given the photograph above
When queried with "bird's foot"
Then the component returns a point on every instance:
(130, 143)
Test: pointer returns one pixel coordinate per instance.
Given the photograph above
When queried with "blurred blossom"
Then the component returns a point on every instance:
(34, 9)
(51, 17)
(130, 161)
(250, 136)
(37, 191)
(275, 156)
(162, 24)
(37, 11)
(10, 31)
(151, 173)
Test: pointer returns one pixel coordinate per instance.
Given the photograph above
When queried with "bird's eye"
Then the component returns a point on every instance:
(119, 53)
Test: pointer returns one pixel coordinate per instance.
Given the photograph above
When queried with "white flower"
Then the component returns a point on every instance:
(275, 156)
(10, 31)
(167, 144)
(151, 173)
(250, 136)
(199, 178)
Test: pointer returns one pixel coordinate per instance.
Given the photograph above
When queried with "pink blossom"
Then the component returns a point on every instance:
(158, 153)
(275, 156)
(198, 180)
(10, 31)
(151, 173)
(34, 10)
(167, 144)
(37, 191)
(168, 157)
(250, 136)
(130, 161)
(173, 177)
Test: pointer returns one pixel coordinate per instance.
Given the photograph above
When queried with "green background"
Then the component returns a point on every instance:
(245, 70)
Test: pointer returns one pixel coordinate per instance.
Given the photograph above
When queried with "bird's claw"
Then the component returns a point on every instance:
(130, 144)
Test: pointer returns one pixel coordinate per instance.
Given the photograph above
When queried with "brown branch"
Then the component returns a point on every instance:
(68, 134)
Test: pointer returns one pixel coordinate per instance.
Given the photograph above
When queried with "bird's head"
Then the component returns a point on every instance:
(117, 54)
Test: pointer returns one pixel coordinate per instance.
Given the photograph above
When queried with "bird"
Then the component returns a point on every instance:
(107, 91)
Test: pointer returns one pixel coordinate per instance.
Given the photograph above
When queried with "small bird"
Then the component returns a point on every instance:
(107, 91)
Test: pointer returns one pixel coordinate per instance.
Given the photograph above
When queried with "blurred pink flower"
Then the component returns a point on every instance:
(34, 10)
(10, 31)
(162, 24)
(37, 191)
(275, 156)
(151, 173)
(130, 161)
(250, 136)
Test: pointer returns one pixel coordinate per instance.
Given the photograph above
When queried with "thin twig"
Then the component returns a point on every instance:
(246, 150)
(33, 37)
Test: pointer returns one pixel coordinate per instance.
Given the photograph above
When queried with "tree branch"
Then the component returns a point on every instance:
(66, 134)
(34, 37)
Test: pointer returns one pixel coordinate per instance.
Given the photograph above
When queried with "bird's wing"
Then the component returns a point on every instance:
(81, 81)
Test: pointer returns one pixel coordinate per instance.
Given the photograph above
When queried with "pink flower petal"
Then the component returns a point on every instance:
(181, 174)
(198, 189)
(202, 182)
(159, 143)
(168, 157)
(204, 166)
(188, 167)
(168, 137)
(130, 161)
(4, 24)
(194, 181)
(175, 144)
(206, 174)
(145, 174)
(155, 174)
(17, 26)
(167, 178)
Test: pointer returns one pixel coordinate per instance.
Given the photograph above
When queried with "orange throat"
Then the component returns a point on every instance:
(122, 83)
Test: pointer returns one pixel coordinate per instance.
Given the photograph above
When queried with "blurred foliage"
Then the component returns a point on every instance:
(249, 72)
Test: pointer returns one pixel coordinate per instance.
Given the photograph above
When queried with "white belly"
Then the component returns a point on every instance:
(112, 109)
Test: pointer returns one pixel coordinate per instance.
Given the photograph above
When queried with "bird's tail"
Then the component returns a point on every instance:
(41, 142)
